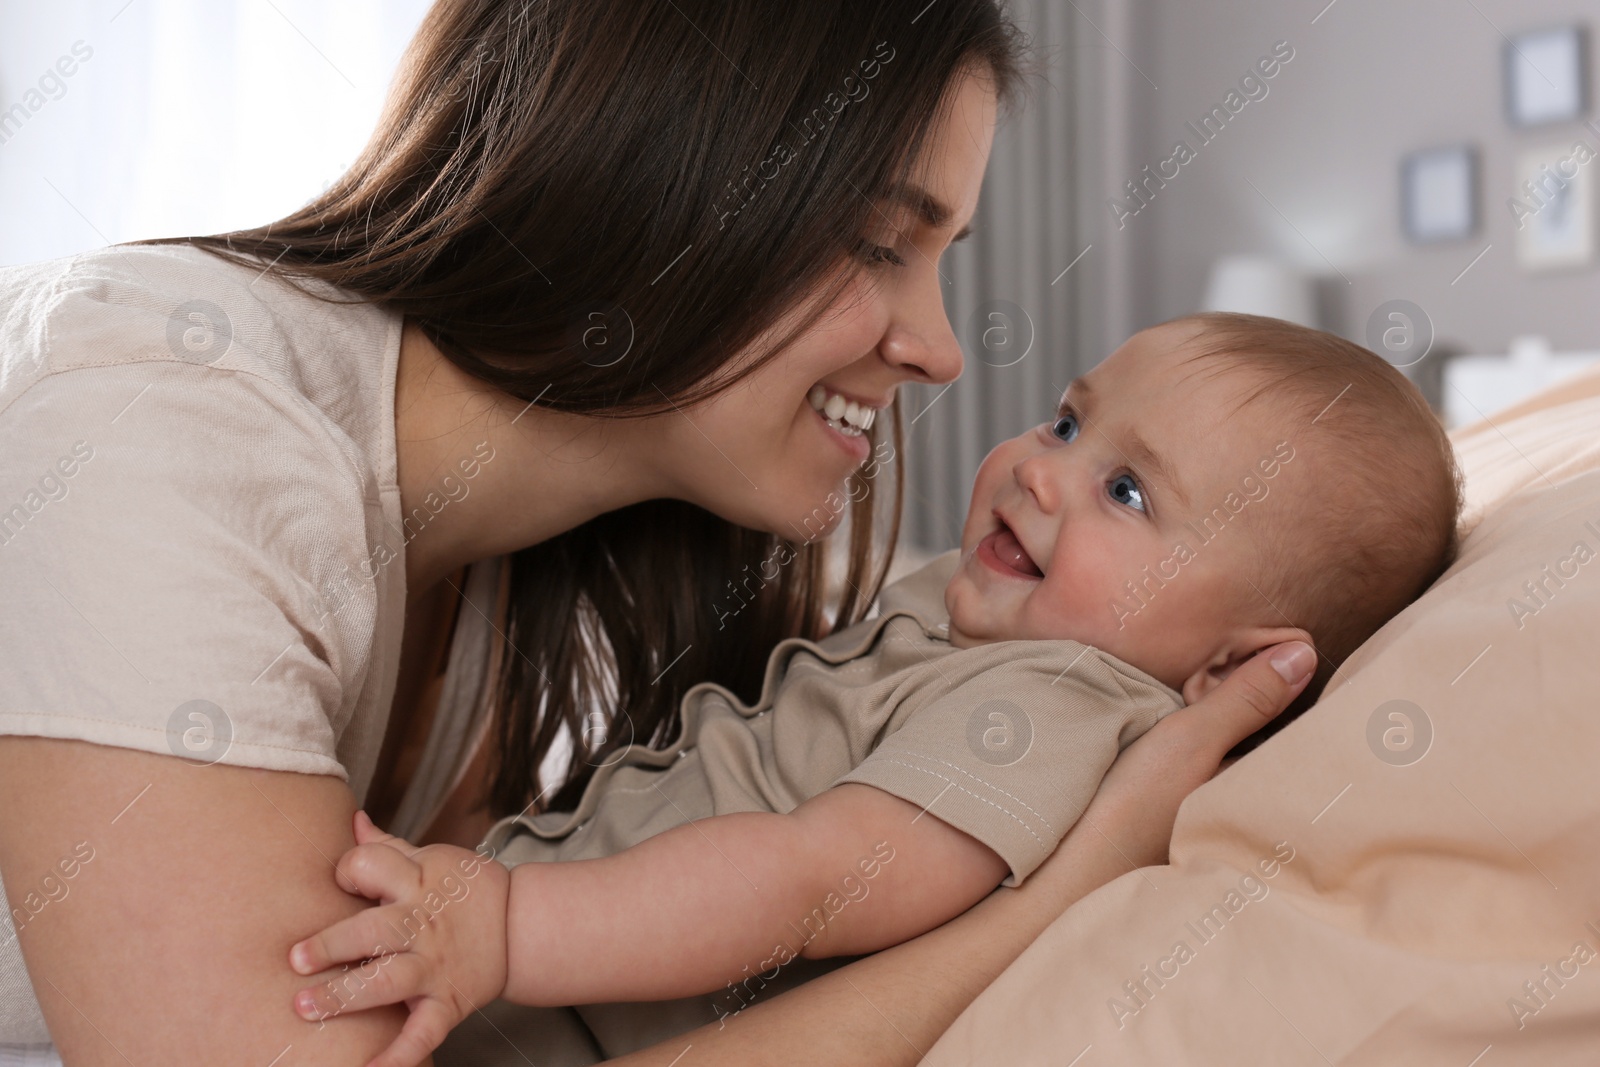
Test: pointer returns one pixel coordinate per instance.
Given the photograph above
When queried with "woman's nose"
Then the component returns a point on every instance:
(920, 341)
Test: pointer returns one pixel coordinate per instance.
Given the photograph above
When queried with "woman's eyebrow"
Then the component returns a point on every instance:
(1135, 448)
(929, 208)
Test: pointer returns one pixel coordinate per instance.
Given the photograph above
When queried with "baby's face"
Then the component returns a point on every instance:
(1063, 516)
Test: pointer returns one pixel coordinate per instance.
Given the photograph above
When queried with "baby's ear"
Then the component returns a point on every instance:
(1239, 648)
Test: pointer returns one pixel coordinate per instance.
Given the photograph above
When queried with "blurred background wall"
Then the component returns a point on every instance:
(1369, 83)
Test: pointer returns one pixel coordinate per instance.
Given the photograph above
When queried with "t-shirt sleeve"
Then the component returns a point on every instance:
(175, 561)
(1014, 754)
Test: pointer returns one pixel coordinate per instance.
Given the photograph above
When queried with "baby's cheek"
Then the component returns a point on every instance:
(969, 616)
(1092, 604)
(1055, 611)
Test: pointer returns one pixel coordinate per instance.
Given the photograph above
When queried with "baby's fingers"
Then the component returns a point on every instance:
(367, 833)
(424, 1031)
(385, 980)
(365, 934)
(379, 872)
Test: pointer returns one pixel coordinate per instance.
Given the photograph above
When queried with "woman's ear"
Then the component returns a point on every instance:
(1239, 648)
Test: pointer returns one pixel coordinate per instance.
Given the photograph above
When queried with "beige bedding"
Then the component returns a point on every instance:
(1345, 895)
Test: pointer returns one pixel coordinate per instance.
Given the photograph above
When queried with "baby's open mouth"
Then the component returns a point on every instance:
(1002, 545)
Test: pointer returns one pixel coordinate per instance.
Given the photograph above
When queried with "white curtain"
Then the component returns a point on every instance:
(181, 116)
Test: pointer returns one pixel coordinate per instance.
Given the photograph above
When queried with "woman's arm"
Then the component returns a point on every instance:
(170, 944)
(891, 1007)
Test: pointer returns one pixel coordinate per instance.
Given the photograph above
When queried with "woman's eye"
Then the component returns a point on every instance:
(1125, 490)
(878, 254)
(1065, 427)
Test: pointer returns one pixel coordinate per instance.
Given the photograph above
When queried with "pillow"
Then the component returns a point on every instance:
(1410, 872)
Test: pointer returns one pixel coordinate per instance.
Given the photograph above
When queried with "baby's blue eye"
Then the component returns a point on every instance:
(1126, 490)
(1124, 487)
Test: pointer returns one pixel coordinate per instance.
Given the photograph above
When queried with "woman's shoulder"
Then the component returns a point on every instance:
(169, 348)
(180, 315)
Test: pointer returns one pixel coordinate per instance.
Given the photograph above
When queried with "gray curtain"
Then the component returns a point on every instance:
(1025, 326)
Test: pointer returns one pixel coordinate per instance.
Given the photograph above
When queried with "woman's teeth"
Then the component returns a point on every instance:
(846, 416)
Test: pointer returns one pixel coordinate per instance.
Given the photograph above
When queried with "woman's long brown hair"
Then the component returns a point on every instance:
(689, 170)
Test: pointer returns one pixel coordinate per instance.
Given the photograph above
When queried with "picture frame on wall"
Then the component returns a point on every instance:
(1439, 194)
(1554, 207)
(1546, 76)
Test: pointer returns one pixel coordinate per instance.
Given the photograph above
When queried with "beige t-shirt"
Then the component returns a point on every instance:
(201, 546)
(1007, 742)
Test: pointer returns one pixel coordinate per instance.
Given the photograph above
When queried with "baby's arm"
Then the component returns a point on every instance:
(852, 870)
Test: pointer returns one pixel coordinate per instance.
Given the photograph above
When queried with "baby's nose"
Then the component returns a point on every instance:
(1037, 478)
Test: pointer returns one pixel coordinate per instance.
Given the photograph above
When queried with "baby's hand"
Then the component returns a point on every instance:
(437, 942)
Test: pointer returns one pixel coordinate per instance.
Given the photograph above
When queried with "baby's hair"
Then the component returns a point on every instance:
(1386, 527)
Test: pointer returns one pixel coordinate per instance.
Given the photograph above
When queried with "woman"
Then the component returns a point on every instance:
(541, 367)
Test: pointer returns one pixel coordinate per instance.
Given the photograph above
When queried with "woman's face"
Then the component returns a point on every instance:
(761, 454)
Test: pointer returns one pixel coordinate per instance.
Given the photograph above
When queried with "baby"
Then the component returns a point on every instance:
(1218, 485)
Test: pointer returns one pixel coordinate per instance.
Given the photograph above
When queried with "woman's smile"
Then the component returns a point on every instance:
(846, 420)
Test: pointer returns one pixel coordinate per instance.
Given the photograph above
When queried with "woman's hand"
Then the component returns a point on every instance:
(437, 943)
